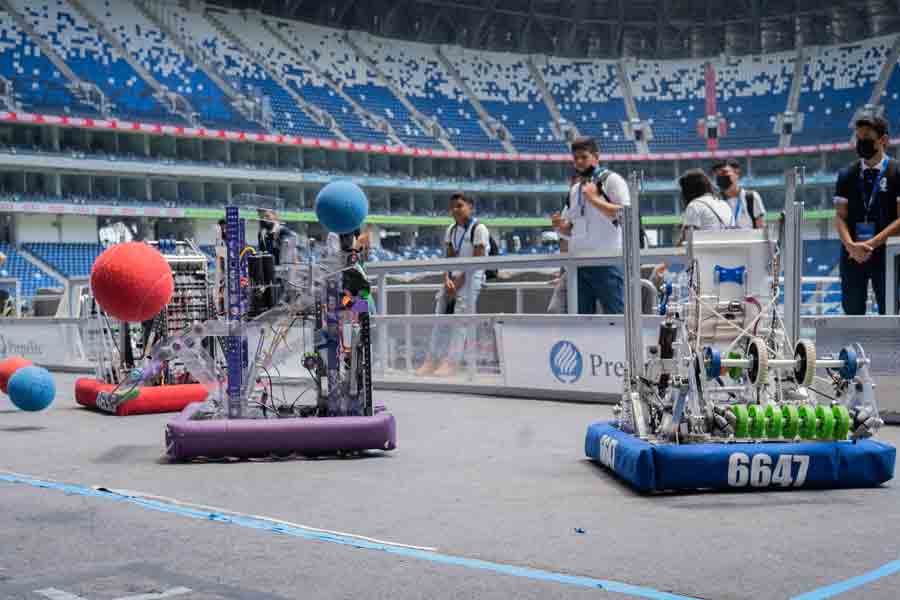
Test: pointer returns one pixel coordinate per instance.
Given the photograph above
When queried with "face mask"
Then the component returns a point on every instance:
(866, 148)
(723, 182)
(267, 225)
(587, 172)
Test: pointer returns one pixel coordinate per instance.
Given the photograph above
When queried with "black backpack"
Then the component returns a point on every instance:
(493, 250)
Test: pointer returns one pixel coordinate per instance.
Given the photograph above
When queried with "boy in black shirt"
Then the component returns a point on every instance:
(866, 204)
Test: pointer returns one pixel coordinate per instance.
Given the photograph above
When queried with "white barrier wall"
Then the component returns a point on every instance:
(37, 228)
(78, 229)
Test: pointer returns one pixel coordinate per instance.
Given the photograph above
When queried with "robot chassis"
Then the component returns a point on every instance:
(725, 368)
(265, 301)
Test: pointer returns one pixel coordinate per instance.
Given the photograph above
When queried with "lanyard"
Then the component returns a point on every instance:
(458, 242)
(738, 201)
(871, 198)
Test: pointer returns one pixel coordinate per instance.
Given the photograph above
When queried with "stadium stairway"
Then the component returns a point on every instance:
(32, 272)
(239, 102)
(316, 114)
(558, 119)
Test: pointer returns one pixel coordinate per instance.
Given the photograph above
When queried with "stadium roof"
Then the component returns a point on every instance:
(603, 28)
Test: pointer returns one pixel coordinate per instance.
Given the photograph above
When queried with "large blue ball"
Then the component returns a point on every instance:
(342, 206)
(31, 388)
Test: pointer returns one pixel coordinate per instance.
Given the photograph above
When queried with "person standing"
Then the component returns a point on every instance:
(465, 238)
(703, 210)
(867, 202)
(591, 223)
(747, 208)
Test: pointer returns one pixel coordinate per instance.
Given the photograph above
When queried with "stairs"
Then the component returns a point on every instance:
(630, 105)
(887, 69)
(176, 103)
(563, 130)
(426, 124)
(315, 113)
(794, 96)
(240, 102)
(491, 126)
(85, 91)
(367, 117)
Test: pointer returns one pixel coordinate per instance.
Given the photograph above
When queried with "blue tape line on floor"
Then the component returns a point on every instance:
(435, 557)
(834, 589)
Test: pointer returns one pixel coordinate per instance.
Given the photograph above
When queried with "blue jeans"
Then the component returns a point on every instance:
(450, 342)
(601, 284)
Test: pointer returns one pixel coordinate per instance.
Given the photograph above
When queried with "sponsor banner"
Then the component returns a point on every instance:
(566, 355)
(46, 342)
(89, 210)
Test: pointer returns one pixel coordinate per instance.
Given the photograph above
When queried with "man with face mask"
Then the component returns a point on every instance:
(866, 215)
(747, 208)
(591, 223)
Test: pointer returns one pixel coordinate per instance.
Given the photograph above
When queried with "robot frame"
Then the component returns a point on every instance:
(267, 299)
(728, 365)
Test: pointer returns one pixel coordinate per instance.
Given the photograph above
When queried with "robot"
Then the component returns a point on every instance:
(726, 367)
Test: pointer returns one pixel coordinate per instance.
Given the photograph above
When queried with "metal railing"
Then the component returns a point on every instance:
(12, 286)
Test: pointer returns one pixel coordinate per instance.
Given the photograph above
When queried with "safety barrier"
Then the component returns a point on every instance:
(13, 305)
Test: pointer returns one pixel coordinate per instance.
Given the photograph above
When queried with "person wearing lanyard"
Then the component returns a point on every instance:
(747, 208)
(465, 238)
(867, 202)
(591, 224)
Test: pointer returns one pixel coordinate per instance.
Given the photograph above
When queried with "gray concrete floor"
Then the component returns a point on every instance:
(495, 479)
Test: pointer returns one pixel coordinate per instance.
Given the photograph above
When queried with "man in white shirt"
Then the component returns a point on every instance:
(591, 222)
(465, 238)
(747, 208)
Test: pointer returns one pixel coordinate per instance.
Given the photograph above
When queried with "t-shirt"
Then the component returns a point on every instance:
(591, 229)
(739, 206)
(854, 189)
(707, 212)
(459, 239)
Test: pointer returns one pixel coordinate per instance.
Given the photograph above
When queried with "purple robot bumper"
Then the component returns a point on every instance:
(252, 438)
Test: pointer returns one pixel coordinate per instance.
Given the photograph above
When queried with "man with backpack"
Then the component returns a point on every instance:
(465, 238)
(747, 208)
(591, 223)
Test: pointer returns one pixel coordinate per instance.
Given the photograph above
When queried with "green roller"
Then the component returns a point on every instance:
(757, 421)
(741, 427)
(774, 422)
(791, 423)
(807, 422)
(825, 426)
(842, 422)
(734, 372)
(131, 394)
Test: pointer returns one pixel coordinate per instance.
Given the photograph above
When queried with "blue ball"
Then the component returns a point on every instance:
(341, 206)
(31, 388)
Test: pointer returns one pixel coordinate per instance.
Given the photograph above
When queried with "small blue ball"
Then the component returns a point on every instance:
(31, 388)
(342, 206)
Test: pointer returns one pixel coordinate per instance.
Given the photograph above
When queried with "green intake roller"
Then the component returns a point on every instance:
(741, 426)
(842, 422)
(757, 421)
(791, 423)
(735, 372)
(774, 421)
(825, 427)
(807, 422)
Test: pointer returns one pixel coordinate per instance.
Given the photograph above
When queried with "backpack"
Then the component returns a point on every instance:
(750, 195)
(493, 249)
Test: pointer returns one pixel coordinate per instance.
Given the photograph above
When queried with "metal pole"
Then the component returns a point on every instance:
(631, 245)
(792, 248)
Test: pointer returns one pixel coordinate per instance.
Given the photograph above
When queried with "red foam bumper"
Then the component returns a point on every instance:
(160, 399)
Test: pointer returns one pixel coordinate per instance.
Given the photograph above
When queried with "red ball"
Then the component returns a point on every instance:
(132, 282)
(8, 367)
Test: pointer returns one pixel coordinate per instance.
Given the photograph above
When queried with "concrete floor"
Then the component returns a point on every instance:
(498, 487)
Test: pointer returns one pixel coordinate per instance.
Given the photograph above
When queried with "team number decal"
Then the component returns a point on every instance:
(760, 471)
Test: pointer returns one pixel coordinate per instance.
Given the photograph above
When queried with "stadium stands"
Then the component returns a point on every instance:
(72, 260)
(36, 82)
(93, 59)
(30, 277)
(334, 56)
(161, 56)
(670, 95)
(588, 95)
(751, 92)
(504, 86)
(282, 60)
(838, 80)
